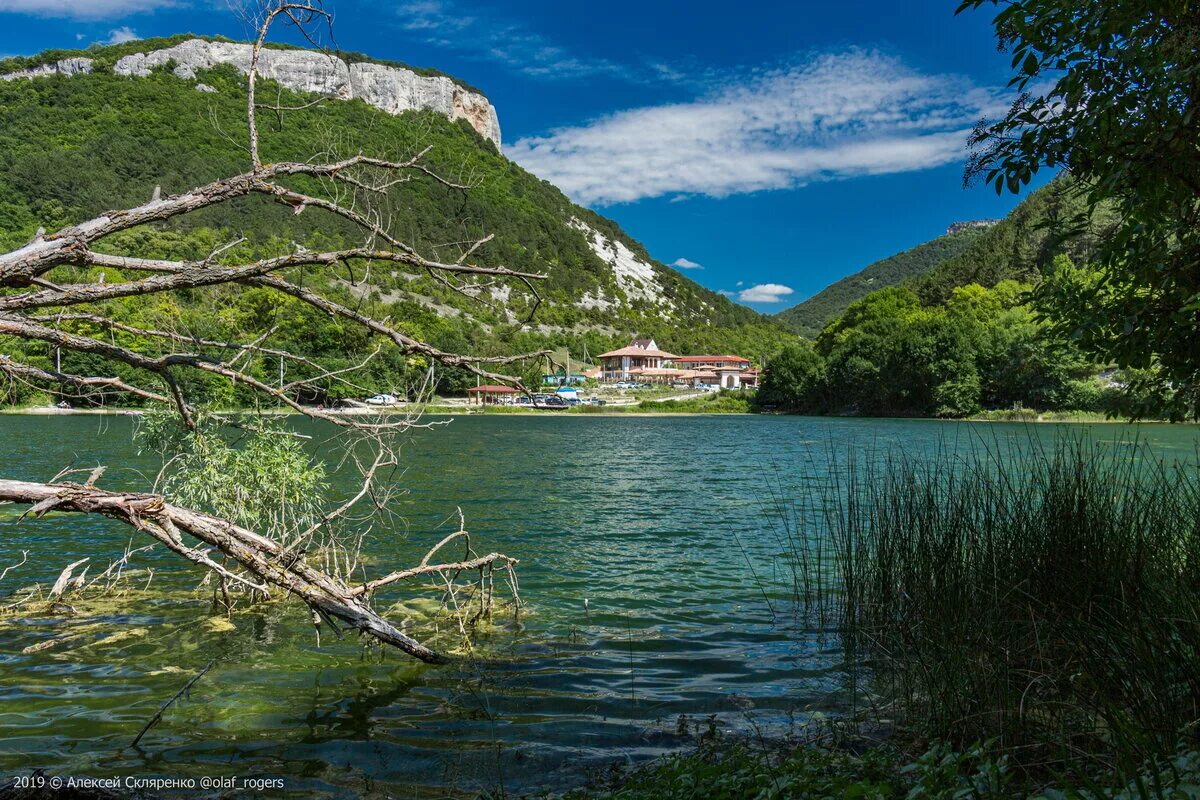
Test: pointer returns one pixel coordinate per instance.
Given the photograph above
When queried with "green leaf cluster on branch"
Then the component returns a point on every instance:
(1110, 92)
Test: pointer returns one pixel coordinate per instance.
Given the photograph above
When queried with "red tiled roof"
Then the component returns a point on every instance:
(492, 389)
(706, 359)
(636, 352)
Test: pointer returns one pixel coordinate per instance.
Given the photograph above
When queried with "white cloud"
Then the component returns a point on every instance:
(442, 23)
(765, 293)
(833, 116)
(685, 263)
(121, 35)
(84, 9)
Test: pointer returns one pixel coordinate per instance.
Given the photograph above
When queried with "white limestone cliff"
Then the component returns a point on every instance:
(391, 89)
(67, 66)
(635, 276)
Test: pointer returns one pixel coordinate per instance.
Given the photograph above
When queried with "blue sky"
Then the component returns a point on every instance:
(765, 148)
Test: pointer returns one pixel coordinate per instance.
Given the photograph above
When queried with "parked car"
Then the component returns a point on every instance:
(549, 401)
(596, 401)
(382, 400)
(625, 385)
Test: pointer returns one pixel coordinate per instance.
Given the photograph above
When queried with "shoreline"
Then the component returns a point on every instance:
(1043, 418)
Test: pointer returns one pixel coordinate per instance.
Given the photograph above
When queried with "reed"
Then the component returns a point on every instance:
(1047, 598)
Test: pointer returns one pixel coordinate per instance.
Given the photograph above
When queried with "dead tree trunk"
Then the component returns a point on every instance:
(43, 304)
(265, 562)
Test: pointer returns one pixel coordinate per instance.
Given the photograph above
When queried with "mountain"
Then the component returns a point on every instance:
(809, 317)
(1052, 220)
(962, 333)
(86, 131)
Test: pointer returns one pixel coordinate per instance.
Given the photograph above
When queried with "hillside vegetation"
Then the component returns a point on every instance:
(809, 317)
(1052, 221)
(76, 146)
(967, 334)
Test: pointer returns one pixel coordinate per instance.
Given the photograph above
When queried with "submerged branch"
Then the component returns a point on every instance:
(261, 557)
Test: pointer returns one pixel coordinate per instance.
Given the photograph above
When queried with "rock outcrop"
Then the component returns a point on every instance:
(67, 66)
(959, 227)
(391, 89)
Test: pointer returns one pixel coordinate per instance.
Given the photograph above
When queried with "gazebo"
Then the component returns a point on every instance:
(488, 394)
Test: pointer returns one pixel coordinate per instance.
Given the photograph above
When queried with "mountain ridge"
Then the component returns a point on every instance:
(90, 142)
(810, 316)
(390, 88)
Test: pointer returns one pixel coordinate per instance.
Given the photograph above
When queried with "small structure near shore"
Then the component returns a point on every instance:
(489, 394)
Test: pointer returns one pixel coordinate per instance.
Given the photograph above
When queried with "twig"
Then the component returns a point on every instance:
(158, 715)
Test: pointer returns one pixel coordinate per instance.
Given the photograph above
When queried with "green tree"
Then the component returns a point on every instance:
(1110, 91)
(794, 380)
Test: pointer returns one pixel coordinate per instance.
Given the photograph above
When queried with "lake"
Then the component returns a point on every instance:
(652, 565)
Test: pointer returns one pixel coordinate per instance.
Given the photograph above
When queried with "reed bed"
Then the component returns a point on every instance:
(1045, 599)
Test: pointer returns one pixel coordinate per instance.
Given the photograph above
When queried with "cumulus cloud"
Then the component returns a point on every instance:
(121, 35)
(84, 9)
(833, 116)
(442, 23)
(765, 293)
(685, 263)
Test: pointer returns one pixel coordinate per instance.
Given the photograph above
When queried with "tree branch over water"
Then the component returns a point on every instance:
(44, 302)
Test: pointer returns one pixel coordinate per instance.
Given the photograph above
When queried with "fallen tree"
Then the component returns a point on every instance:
(63, 313)
(260, 557)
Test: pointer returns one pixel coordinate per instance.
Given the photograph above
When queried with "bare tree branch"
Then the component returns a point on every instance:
(42, 306)
(258, 555)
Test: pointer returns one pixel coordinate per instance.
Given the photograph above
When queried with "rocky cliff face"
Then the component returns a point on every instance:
(392, 89)
(959, 227)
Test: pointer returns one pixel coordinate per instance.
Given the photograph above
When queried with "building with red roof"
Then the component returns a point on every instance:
(643, 360)
(641, 354)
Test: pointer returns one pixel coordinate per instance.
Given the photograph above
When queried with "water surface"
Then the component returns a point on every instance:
(652, 564)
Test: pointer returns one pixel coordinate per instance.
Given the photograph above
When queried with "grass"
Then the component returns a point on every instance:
(722, 402)
(1030, 415)
(1048, 600)
(720, 769)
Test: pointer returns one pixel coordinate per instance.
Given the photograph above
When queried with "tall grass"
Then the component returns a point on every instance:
(1048, 599)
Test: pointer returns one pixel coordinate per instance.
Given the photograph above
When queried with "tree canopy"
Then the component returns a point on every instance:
(1109, 92)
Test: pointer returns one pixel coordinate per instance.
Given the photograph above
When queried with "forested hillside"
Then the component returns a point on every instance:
(967, 335)
(809, 317)
(76, 146)
(1051, 221)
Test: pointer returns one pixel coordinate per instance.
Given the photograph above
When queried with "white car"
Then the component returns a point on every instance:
(382, 400)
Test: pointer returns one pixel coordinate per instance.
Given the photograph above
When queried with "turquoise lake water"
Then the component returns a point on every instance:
(652, 565)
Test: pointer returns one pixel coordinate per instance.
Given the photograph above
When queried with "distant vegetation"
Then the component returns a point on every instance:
(892, 355)
(968, 334)
(76, 146)
(809, 317)
(1053, 220)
